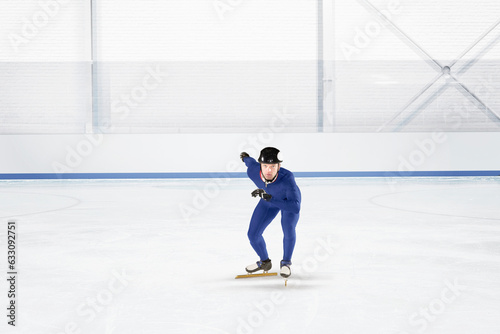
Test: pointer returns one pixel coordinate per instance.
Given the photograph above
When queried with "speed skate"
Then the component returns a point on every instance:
(262, 266)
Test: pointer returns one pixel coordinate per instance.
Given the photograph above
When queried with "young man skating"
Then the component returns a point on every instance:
(278, 191)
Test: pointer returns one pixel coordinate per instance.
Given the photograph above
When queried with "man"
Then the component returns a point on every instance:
(278, 192)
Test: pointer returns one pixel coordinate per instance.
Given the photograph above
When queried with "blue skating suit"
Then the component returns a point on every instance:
(286, 198)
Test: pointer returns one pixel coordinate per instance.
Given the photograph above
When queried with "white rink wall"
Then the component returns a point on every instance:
(219, 153)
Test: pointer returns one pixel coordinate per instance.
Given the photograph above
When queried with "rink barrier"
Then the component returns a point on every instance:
(204, 175)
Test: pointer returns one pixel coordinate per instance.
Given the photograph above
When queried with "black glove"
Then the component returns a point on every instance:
(243, 155)
(262, 194)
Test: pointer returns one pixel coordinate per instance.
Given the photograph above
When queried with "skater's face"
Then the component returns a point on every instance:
(270, 170)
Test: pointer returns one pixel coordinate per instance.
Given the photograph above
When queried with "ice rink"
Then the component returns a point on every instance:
(373, 255)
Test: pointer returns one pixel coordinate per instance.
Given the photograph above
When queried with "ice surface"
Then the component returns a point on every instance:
(373, 255)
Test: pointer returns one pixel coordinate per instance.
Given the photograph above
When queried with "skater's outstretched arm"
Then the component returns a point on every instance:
(248, 160)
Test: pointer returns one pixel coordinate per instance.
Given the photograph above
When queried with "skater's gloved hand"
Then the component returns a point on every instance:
(243, 155)
(262, 194)
(258, 192)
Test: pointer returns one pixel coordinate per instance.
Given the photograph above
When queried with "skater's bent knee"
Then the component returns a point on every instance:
(253, 235)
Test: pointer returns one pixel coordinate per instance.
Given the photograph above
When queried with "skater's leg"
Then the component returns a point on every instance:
(261, 218)
(288, 223)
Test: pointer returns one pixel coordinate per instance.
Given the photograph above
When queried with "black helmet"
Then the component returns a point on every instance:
(270, 155)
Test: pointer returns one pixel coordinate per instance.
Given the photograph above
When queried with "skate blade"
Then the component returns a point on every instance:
(257, 275)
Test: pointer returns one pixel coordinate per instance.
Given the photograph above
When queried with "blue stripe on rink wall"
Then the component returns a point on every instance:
(71, 176)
